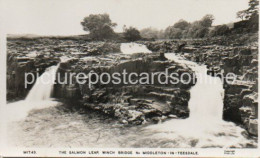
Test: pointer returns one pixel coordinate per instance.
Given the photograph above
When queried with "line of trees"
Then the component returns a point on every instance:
(183, 29)
(101, 27)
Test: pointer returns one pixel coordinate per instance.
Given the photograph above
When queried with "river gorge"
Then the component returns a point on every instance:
(198, 114)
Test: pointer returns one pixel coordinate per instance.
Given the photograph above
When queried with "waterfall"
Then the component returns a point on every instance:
(203, 129)
(39, 97)
(131, 48)
(205, 126)
(206, 96)
(43, 86)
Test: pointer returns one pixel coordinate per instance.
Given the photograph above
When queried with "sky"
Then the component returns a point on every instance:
(63, 17)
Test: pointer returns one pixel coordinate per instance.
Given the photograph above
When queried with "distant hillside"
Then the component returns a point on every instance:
(85, 37)
(32, 36)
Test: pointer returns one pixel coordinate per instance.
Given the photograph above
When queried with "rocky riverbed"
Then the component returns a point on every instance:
(139, 104)
(237, 54)
(129, 103)
(35, 55)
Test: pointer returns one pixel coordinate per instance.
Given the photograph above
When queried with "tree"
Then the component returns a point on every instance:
(207, 20)
(253, 8)
(192, 30)
(220, 30)
(149, 33)
(99, 26)
(242, 14)
(161, 34)
(253, 17)
(131, 34)
(201, 32)
(181, 24)
(173, 33)
(252, 11)
(184, 29)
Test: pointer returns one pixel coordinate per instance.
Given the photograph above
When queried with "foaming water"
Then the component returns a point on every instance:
(43, 86)
(54, 125)
(39, 97)
(204, 127)
(131, 48)
(60, 127)
(206, 96)
(19, 110)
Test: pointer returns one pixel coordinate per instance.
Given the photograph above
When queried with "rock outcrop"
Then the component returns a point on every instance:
(137, 104)
(35, 55)
(236, 54)
(130, 103)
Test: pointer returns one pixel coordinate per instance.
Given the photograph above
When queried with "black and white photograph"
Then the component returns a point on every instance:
(131, 78)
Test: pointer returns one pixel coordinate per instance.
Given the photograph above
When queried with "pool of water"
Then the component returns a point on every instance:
(60, 126)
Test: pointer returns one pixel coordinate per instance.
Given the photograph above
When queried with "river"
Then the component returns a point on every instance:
(49, 123)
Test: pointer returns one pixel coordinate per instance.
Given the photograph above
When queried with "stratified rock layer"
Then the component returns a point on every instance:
(236, 54)
(35, 55)
(130, 103)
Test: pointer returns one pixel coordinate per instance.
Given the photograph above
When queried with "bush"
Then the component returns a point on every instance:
(131, 34)
(149, 33)
(173, 33)
(220, 30)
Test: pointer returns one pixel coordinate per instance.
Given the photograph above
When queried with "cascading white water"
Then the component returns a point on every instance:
(205, 126)
(131, 48)
(39, 97)
(206, 97)
(43, 86)
(206, 102)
